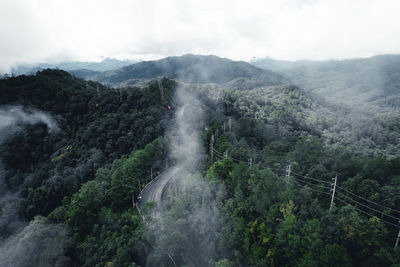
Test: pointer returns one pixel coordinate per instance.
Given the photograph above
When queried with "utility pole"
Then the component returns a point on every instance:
(226, 154)
(398, 237)
(98, 91)
(229, 124)
(333, 189)
(151, 173)
(161, 88)
(133, 201)
(288, 170)
(212, 148)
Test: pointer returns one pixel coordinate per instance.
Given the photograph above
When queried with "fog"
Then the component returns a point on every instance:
(39, 243)
(185, 143)
(12, 119)
(191, 220)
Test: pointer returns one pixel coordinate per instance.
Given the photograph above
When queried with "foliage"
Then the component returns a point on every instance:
(84, 177)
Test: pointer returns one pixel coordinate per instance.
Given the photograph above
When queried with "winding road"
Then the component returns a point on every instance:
(153, 191)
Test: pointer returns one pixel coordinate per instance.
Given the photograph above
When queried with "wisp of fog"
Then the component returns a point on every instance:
(39, 243)
(187, 231)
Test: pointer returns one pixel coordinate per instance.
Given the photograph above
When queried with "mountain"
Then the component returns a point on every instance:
(75, 155)
(374, 80)
(188, 68)
(56, 132)
(105, 65)
(277, 65)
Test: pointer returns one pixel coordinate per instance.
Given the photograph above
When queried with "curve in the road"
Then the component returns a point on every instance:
(153, 191)
(155, 188)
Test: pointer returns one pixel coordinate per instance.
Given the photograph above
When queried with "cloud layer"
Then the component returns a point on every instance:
(52, 30)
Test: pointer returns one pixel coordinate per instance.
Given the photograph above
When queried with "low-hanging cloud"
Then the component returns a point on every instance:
(185, 140)
(38, 243)
(12, 118)
(189, 230)
(289, 29)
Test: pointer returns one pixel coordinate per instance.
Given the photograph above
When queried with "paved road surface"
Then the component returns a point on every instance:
(153, 192)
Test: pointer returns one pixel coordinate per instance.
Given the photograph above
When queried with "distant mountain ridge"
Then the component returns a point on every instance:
(373, 80)
(188, 68)
(277, 64)
(104, 65)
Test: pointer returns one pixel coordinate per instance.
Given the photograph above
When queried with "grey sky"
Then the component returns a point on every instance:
(54, 30)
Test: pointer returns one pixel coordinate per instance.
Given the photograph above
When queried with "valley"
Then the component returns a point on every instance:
(234, 129)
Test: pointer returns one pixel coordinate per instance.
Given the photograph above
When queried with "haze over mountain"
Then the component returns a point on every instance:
(188, 68)
(199, 156)
(374, 80)
(104, 65)
(83, 178)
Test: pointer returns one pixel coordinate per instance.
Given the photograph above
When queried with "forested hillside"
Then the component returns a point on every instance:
(73, 184)
(188, 68)
(365, 81)
(97, 125)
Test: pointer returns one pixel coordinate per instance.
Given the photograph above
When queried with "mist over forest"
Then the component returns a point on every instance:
(256, 151)
(367, 82)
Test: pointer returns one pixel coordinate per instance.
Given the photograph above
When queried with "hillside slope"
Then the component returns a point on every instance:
(73, 185)
(188, 68)
(374, 80)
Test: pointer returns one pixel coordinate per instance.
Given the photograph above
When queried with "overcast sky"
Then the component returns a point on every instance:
(54, 30)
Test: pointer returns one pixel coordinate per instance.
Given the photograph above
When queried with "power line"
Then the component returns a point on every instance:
(322, 181)
(222, 155)
(299, 179)
(381, 212)
(311, 184)
(216, 151)
(219, 156)
(396, 226)
(272, 168)
(296, 181)
(370, 215)
(312, 189)
(368, 200)
(278, 169)
(333, 190)
(241, 161)
(314, 179)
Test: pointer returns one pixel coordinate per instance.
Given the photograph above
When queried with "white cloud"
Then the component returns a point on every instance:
(50, 30)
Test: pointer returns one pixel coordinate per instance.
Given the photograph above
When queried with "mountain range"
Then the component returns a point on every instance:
(75, 154)
(366, 81)
(104, 65)
(188, 68)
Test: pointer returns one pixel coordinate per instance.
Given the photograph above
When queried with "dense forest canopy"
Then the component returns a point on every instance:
(73, 185)
(370, 83)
